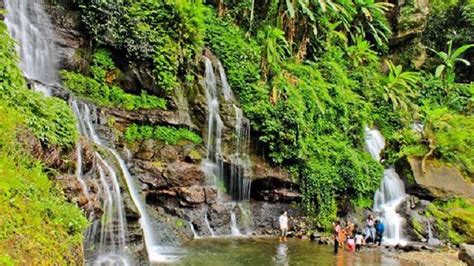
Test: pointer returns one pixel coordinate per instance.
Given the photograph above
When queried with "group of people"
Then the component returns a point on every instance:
(354, 237)
(350, 235)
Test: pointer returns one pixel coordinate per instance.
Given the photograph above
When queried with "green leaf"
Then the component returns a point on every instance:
(439, 70)
(291, 9)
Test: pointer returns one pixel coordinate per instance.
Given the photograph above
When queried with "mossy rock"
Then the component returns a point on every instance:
(454, 219)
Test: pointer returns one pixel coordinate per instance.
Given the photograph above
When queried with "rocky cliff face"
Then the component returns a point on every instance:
(171, 176)
(409, 18)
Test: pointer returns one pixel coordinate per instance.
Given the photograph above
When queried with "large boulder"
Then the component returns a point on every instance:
(182, 174)
(466, 254)
(439, 180)
(410, 19)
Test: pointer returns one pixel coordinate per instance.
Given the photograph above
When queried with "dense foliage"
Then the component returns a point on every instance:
(169, 135)
(454, 219)
(100, 88)
(452, 21)
(166, 33)
(50, 119)
(310, 76)
(37, 225)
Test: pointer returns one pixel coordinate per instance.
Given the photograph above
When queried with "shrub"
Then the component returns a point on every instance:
(50, 119)
(37, 225)
(169, 135)
(100, 88)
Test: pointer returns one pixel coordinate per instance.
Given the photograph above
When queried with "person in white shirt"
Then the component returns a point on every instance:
(359, 238)
(283, 220)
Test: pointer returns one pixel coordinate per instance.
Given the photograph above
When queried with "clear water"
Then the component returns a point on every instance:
(268, 251)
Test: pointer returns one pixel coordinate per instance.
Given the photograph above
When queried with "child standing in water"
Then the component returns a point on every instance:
(283, 220)
(351, 244)
(358, 240)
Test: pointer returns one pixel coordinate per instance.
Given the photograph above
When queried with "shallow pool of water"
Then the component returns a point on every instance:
(268, 251)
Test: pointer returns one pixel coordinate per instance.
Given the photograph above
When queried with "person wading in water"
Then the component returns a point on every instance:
(283, 220)
(336, 231)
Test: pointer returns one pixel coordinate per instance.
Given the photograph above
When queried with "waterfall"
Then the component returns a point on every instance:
(105, 240)
(213, 164)
(432, 240)
(112, 203)
(391, 192)
(31, 27)
(208, 225)
(195, 235)
(239, 187)
(234, 229)
(235, 184)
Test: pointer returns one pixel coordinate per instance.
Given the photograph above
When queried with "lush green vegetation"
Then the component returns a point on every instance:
(37, 225)
(169, 135)
(50, 119)
(454, 219)
(310, 75)
(166, 33)
(100, 88)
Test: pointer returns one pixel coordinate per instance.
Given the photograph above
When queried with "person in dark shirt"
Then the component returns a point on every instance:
(379, 229)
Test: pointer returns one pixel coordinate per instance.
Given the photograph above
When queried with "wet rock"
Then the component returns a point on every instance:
(315, 236)
(149, 173)
(438, 180)
(410, 247)
(325, 240)
(70, 40)
(211, 194)
(192, 194)
(265, 215)
(182, 174)
(151, 117)
(282, 195)
(146, 151)
(262, 170)
(466, 254)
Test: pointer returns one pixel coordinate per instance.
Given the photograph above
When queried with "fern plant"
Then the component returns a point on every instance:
(399, 86)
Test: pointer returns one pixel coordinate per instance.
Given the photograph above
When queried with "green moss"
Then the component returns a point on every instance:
(195, 155)
(169, 135)
(454, 219)
(418, 227)
(101, 88)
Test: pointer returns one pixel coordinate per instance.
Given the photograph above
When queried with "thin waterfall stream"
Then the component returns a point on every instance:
(236, 185)
(106, 240)
(390, 194)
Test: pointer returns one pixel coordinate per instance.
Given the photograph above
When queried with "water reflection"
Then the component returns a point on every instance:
(281, 257)
(268, 251)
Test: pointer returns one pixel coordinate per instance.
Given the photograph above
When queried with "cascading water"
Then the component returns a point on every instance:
(29, 25)
(213, 164)
(115, 251)
(106, 240)
(391, 192)
(236, 185)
